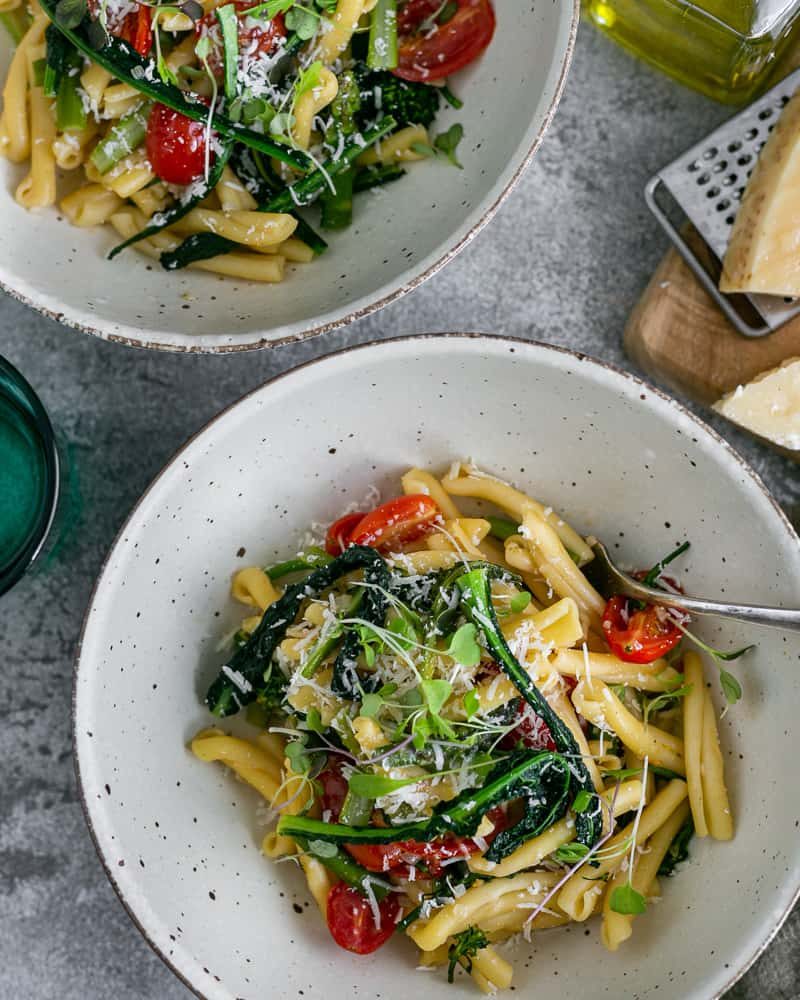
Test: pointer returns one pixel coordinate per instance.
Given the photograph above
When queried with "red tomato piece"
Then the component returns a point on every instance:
(338, 537)
(135, 27)
(638, 635)
(352, 923)
(397, 522)
(432, 854)
(531, 730)
(176, 145)
(256, 35)
(334, 788)
(425, 54)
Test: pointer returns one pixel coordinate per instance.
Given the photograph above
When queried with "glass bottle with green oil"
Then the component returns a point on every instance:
(723, 48)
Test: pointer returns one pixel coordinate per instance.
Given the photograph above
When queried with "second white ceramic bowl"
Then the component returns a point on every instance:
(180, 839)
(402, 234)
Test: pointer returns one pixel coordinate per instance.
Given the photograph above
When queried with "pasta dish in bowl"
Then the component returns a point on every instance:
(235, 145)
(462, 738)
(346, 686)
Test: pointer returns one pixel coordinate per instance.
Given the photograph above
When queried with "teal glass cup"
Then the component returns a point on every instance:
(30, 476)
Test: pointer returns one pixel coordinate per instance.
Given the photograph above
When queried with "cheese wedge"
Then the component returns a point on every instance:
(769, 406)
(764, 251)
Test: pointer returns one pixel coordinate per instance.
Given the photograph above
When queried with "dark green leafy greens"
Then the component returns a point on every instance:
(242, 679)
(464, 948)
(476, 601)
(541, 779)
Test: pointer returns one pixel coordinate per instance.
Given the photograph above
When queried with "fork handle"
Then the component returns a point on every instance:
(755, 614)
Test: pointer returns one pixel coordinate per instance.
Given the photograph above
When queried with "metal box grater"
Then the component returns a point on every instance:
(706, 184)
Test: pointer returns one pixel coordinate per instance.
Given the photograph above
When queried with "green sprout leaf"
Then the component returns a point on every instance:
(572, 852)
(471, 702)
(731, 687)
(372, 786)
(303, 22)
(582, 801)
(464, 647)
(653, 705)
(371, 704)
(519, 602)
(322, 848)
(314, 720)
(70, 13)
(625, 899)
(444, 146)
(435, 693)
(298, 758)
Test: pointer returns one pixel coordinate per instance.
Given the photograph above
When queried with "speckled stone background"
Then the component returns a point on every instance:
(563, 262)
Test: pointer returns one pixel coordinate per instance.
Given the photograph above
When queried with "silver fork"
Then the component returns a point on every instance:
(609, 579)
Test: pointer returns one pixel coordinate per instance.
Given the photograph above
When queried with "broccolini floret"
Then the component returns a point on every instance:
(408, 103)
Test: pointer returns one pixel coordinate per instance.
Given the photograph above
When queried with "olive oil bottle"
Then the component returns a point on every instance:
(723, 48)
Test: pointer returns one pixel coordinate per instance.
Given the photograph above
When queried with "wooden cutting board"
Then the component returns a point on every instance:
(680, 338)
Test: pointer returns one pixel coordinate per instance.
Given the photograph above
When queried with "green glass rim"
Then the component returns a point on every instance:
(17, 566)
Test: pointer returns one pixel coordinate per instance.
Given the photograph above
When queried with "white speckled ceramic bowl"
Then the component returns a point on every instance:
(179, 838)
(402, 234)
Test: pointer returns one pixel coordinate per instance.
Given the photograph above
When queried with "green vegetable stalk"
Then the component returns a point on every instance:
(541, 779)
(382, 51)
(128, 134)
(476, 602)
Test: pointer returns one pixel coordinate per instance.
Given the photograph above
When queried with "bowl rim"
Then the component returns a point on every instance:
(187, 344)
(744, 467)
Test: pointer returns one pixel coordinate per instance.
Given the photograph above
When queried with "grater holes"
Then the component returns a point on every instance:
(723, 205)
(765, 114)
(734, 147)
(744, 159)
(730, 179)
(737, 194)
(772, 126)
(694, 167)
(719, 166)
(785, 100)
(703, 179)
(713, 192)
(730, 220)
(710, 153)
(760, 146)
(751, 134)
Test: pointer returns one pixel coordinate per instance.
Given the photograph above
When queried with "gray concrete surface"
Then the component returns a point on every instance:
(564, 262)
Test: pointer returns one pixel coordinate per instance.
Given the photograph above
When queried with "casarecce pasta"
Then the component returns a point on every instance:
(457, 751)
(198, 132)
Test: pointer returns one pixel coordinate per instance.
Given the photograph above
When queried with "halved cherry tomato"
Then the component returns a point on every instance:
(176, 145)
(531, 730)
(135, 27)
(638, 635)
(352, 922)
(432, 54)
(397, 522)
(256, 35)
(433, 854)
(338, 537)
(334, 788)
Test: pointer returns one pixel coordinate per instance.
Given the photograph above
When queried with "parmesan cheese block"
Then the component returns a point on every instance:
(769, 406)
(764, 252)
